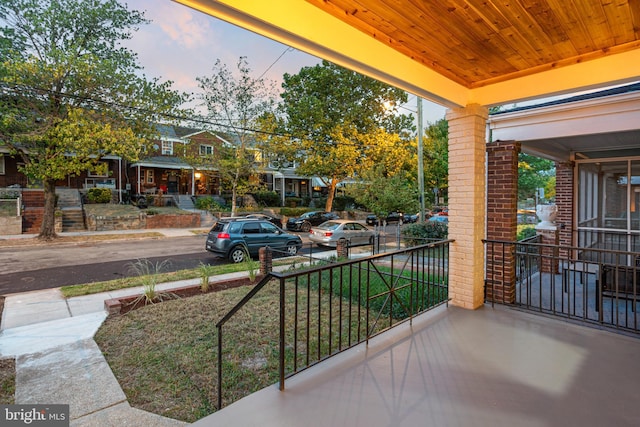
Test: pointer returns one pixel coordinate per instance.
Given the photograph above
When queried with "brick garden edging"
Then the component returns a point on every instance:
(115, 306)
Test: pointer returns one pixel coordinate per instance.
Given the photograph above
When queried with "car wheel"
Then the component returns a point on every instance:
(305, 227)
(237, 254)
(292, 249)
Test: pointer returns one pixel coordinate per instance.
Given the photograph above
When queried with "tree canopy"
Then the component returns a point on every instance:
(533, 173)
(238, 103)
(330, 114)
(70, 92)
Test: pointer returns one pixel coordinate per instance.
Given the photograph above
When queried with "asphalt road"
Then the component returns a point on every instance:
(30, 268)
(50, 266)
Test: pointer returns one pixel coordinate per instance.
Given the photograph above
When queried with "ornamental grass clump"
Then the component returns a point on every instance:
(148, 273)
(205, 271)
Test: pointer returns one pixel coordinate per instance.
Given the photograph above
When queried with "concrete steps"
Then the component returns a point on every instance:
(73, 219)
(185, 202)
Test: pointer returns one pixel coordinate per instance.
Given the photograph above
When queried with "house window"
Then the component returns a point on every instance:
(167, 148)
(149, 178)
(206, 150)
(1, 164)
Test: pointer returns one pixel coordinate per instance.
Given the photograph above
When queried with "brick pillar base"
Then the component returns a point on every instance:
(266, 260)
(550, 260)
(342, 248)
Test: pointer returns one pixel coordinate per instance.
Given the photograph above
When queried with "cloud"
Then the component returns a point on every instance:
(184, 26)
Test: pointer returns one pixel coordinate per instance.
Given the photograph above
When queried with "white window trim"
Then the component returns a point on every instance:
(2, 169)
(167, 148)
(206, 150)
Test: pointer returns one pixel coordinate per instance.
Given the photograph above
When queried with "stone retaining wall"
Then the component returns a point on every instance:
(173, 221)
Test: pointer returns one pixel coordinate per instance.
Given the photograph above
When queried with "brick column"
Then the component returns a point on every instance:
(467, 208)
(564, 201)
(502, 205)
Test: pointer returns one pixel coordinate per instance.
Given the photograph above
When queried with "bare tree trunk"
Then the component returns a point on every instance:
(48, 229)
(234, 193)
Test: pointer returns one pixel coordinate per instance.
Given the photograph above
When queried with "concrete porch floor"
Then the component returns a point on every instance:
(455, 367)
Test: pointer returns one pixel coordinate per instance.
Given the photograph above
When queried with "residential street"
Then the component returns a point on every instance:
(41, 267)
(28, 268)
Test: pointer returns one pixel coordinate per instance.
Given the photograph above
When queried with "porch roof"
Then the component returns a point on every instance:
(162, 162)
(459, 52)
(491, 366)
(594, 125)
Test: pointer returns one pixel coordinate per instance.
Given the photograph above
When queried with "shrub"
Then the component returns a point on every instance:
(292, 202)
(421, 233)
(293, 212)
(342, 203)
(208, 203)
(267, 198)
(525, 231)
(99, 195)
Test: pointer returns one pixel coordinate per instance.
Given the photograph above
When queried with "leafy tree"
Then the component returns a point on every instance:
(329, 110)
(70, 94)
(436, 152)
(386, 174)
(238, 103)
(533, 173)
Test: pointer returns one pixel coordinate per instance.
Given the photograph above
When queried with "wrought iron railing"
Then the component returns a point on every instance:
(326, 309)
(592, 285)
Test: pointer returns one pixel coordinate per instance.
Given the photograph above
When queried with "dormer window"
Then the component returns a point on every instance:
(167, 148)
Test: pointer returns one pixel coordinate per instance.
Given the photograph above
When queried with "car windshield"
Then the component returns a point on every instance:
(329, 225)
(307, 215)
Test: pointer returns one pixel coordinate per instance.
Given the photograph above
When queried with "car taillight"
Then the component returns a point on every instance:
(223, 236)
(328, 233)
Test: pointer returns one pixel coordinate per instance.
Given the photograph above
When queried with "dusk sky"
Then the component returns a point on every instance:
(181, 44)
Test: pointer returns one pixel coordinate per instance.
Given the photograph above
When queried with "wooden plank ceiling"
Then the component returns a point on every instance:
(480, 42)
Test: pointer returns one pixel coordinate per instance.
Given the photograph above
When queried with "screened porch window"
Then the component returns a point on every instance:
(608, 204)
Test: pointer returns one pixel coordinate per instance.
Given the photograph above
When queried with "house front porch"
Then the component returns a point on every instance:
(491, 366)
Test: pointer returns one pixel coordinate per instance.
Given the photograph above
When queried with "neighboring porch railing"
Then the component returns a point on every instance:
(327, 309)
(592, 285)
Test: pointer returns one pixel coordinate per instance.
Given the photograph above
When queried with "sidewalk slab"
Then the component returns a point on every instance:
(76, 374)
(123, 414)
(33, 307)
(44, 336)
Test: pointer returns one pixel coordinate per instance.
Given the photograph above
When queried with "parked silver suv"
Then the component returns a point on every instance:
(234, 238)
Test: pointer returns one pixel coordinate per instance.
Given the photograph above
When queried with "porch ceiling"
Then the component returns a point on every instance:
(458, 52)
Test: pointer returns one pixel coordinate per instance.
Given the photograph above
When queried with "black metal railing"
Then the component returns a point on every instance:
(591, 285)
(326, 309)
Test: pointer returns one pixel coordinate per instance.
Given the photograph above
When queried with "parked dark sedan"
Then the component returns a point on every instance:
(309, 219)
(272, 219)
(392, 217)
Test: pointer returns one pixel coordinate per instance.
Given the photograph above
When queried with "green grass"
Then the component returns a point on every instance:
(164, 355)
(131, 282)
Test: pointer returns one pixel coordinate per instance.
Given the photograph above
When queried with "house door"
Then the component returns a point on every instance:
(172, 184)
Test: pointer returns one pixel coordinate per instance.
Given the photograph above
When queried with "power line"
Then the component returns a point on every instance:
(274, 62)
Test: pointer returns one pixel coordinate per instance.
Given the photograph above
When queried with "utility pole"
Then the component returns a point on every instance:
(420, 161)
